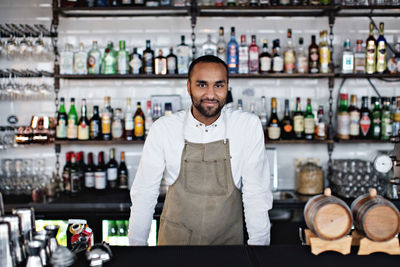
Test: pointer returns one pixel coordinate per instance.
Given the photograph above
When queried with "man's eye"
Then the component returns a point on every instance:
(220, 85)
(202, 85)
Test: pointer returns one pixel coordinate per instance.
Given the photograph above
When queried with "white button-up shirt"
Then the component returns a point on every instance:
(162, 153)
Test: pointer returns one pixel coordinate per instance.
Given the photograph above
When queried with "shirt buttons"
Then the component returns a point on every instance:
(206, 131)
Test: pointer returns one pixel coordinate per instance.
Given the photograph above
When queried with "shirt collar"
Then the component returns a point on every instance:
(192, 121)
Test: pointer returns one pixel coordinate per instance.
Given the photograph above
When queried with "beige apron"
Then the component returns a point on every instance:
(203, 206)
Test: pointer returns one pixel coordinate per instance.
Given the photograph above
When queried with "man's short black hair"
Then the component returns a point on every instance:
(208, 59)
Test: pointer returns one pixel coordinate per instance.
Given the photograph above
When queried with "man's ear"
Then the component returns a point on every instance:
(188, 88)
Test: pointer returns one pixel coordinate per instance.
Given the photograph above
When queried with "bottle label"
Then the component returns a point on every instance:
(122, 66)
(290, 61)
(354, 123)
(93, 63)
(110, 66)
(89, 179)
(302, 64)
(148, 123)
(117, 130)
(129, 123)
(183, 59)
(386, 127)
(274, 132)
(232, 57)
(298, 122)
(123, 180)
(381, 57)
(221, 52)
(343, 124)
(66, 181)
(72, 129)
(253, 61)
(365, 124)
(148, 63)
(171, 65)
(61, 129)
(112, 174)
(277, 64)
(75, 182)
(80, 64)
(139, 126)
(371, 52)
(106, 124)
(94, 129)
(359, 63)
(348, 63)
(83, 132)
(309, 125)
(321, 130)
(287, 128)
(324, 59)
(396, 117)
(265, 64)
(135, 64)
(314, 58)
(100, 180)
(243, 60)
(160, 66)
(66, 63)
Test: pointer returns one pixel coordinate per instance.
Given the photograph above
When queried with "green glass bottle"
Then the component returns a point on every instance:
(72, 128)
(62, 121)
(386, 119)
(343, 117)
(123, 59)
(110, 60)
(309, 122)
(376, 118)
(298, 121)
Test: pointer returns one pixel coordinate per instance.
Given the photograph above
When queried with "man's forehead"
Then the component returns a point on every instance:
(208, 71)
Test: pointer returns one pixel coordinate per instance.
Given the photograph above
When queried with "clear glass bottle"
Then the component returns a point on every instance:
(149, 118)
(160, 63)
(94, 59)
(221, 45)
(301, 58)
(123, 59)
(67, 60)
(80, 58)
(321, 127)
(359, 58)
(324, 53)
(243, 55)
(289, 56)
(117, 128)
(183, 54)
(263, 113)
(347, 58)
(209, 47)
(128, 120)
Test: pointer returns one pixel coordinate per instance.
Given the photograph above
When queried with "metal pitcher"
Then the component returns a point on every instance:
(27, 216)
(44, 251)
(16, 238)
(52, 231)
(34, 259)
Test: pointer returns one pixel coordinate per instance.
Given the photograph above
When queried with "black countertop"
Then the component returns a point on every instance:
(276, 255)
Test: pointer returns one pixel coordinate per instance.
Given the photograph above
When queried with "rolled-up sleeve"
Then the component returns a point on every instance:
(145, 188)
(256, 191)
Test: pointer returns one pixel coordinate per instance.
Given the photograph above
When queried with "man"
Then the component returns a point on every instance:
(213, 161)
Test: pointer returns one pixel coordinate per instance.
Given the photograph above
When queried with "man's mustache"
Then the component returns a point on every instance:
(208, 99)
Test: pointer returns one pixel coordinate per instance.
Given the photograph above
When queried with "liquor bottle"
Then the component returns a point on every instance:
(355, 116)
(324, 53)
(359, 58)
(393, 63)
(239, 104)
(80, 61)
(253, 56)
(231, 2)
(183, 54)
(313, 56)
(126, 2)
(309, 122)
(386, 119)
(112, 170)
(138, 2)
(343, 118)
(370, 51)
(381, 64)
(113, 2)
(252, 108)
(149, 118)
(298, 121)
(123, 59)
(67, 60)
(376, 119)
(65, 175)
(219, 2)
(284, 2)
(62, 118)
(365, 119)
(128, 121)
(253, 3)
(95, 124)
(160, 64)
(156, 111)
(139, 119)
(100, 175)
(106, 117)
(263, 113)
(172, 62)
(94, 59)
(135, 62)
(167, 109)
(265, 58)
(72, 128)
(152, 3)
(148, 59)
(123, 176)
(117, 128)
(83, 125)
(102, 3)
(321, 127)
(301, 58)
(209, 47)
(396, 119)
(274, 2)
(243, 3)
(347, 58)
(287, 123)
(109, 60)
(73, 177)
(243, 55)
(289, 56)
(221, 45)
(274, 125)
(277, 60)
(165, 2)
(89, 172)
(233, 54)
(81, 167)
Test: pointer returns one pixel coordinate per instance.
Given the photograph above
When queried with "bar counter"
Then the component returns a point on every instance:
(243, 256)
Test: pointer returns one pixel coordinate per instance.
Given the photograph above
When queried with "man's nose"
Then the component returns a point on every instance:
(210, 93)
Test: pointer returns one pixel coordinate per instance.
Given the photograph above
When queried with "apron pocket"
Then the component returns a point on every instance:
(173, 234)
(206, 177)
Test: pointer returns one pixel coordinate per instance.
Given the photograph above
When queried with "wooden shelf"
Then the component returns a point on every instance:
(123, 11)
(98, 142)
(361, 141)
(297, 142)
(365, 75)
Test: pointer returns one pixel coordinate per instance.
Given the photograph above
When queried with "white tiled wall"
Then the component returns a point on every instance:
(164, 32)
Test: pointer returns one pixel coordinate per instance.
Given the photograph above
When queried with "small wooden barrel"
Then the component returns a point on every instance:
(327, 216)
(375, 217)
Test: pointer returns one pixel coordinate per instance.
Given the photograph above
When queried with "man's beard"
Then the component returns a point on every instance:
(208, 112)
